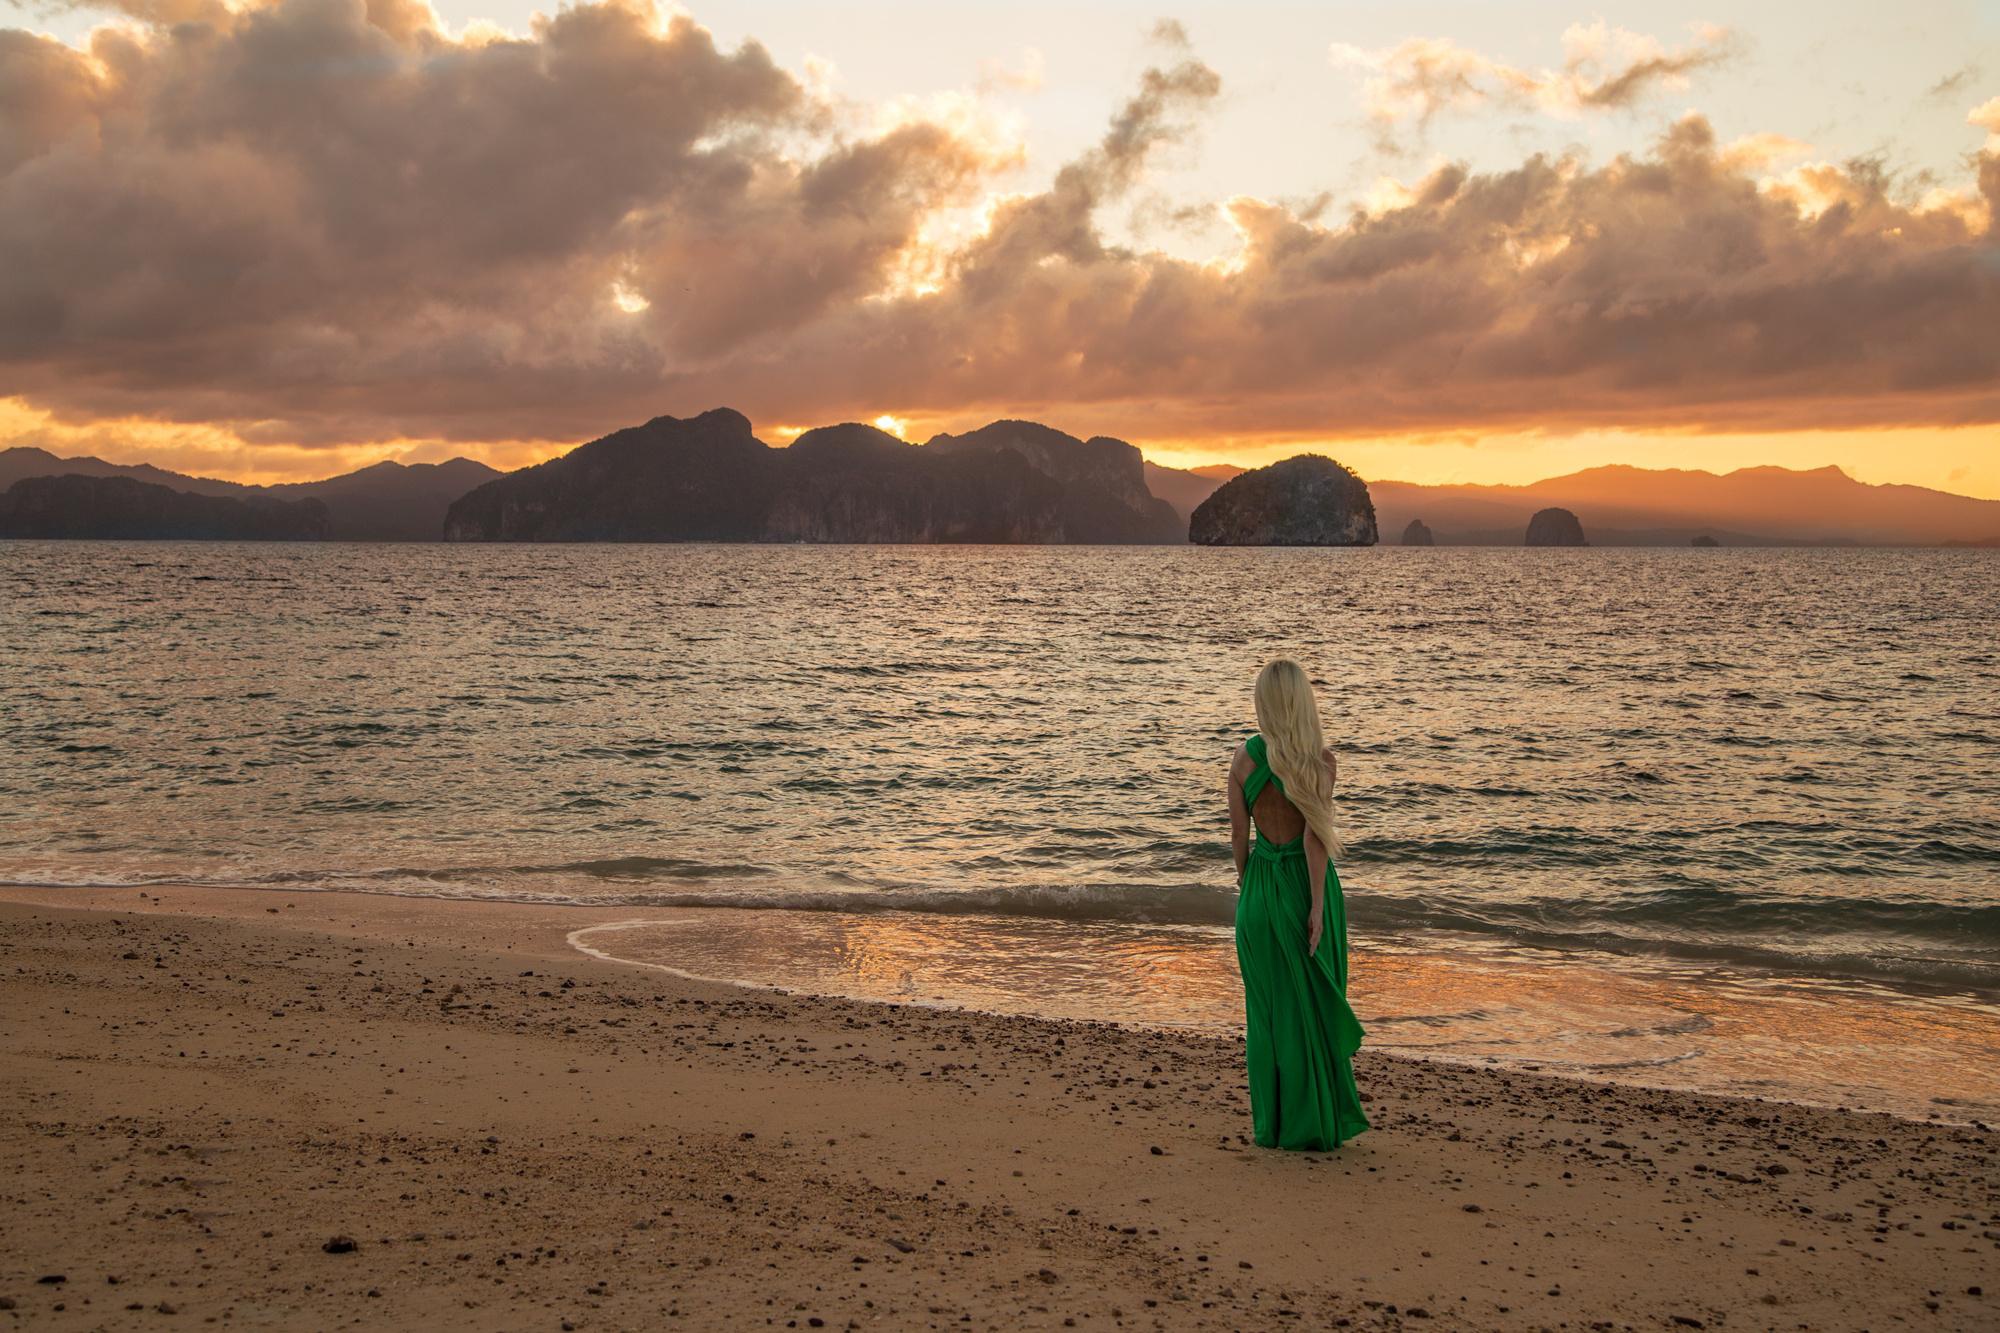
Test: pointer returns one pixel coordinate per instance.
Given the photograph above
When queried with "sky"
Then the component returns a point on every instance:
(1482, 242)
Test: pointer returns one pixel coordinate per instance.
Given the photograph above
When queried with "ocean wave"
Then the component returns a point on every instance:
(1900, 942)
(1799, 847)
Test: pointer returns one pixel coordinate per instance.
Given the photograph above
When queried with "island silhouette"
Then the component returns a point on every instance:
(710, 478)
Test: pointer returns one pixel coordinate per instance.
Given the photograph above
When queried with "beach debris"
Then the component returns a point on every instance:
(340, 1245)
(900, 1245)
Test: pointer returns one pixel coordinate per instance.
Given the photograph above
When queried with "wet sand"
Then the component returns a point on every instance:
(318, 1110)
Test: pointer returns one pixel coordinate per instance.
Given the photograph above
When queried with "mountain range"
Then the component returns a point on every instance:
(1014, 481)
(1185, 489)
(74, 505)
(383, 502)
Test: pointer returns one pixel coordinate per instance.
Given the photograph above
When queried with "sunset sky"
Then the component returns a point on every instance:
(1443, 241)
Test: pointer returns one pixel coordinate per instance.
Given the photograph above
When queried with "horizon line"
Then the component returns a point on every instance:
(1145, 458)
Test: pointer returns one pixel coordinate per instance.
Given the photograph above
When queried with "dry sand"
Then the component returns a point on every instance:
(203, 1089)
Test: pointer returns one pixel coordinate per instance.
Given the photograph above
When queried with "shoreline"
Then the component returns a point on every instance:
(615, 914)
(208, 1086)
(1935, 1113)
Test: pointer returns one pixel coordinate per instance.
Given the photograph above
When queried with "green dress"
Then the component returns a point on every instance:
(1301, 1034)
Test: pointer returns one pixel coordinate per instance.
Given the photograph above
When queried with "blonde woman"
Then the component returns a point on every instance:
(1291, 924)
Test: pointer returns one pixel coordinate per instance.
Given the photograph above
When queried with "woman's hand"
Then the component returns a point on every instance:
(1315, 925)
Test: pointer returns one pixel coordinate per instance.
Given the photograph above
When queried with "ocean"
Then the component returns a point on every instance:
(1719, 819)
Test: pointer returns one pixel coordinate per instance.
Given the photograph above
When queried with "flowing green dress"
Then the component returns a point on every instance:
(1300, 1032)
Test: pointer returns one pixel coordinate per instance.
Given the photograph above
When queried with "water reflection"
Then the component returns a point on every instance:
(1663, 1024)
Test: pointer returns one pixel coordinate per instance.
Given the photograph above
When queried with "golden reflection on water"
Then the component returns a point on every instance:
(1639, 1021)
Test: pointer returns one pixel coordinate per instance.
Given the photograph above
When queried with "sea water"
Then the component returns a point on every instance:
(1726, 819)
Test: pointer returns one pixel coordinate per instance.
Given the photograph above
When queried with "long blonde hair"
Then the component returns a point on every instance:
(1288, 716)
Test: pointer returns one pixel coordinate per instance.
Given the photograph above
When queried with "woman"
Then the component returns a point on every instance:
(1291, 924)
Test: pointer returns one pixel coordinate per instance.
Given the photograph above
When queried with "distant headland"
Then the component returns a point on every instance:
(709, 478)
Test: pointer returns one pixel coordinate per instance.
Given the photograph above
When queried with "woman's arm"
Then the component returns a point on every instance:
(1316, 876)
(1316, 859)
(1239, 812)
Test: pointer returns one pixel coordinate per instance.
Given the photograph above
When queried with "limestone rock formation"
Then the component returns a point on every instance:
(1309, 500)
(1417, 534)
(1555, 527)
(1103, 480)
(854, 483)
(709, 478)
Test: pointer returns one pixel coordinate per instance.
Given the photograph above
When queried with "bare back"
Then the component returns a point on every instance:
(1277, 819)
(1273, 813)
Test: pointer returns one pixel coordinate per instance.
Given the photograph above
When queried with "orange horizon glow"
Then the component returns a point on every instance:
(1960, 460)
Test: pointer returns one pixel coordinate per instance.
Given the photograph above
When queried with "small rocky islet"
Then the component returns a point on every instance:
(1555, 527)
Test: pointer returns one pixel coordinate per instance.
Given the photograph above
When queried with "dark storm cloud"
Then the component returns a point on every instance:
(324, 221)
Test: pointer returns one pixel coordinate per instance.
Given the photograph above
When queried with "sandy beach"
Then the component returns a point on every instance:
(316, 1110)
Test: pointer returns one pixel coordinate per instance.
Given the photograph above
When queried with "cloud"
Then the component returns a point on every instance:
(1954, 83)
(1761, 151)
(318, 224)
(1669, 288)
(1603, 68)
(162, 12)
(330, 215)
(1987, 117)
